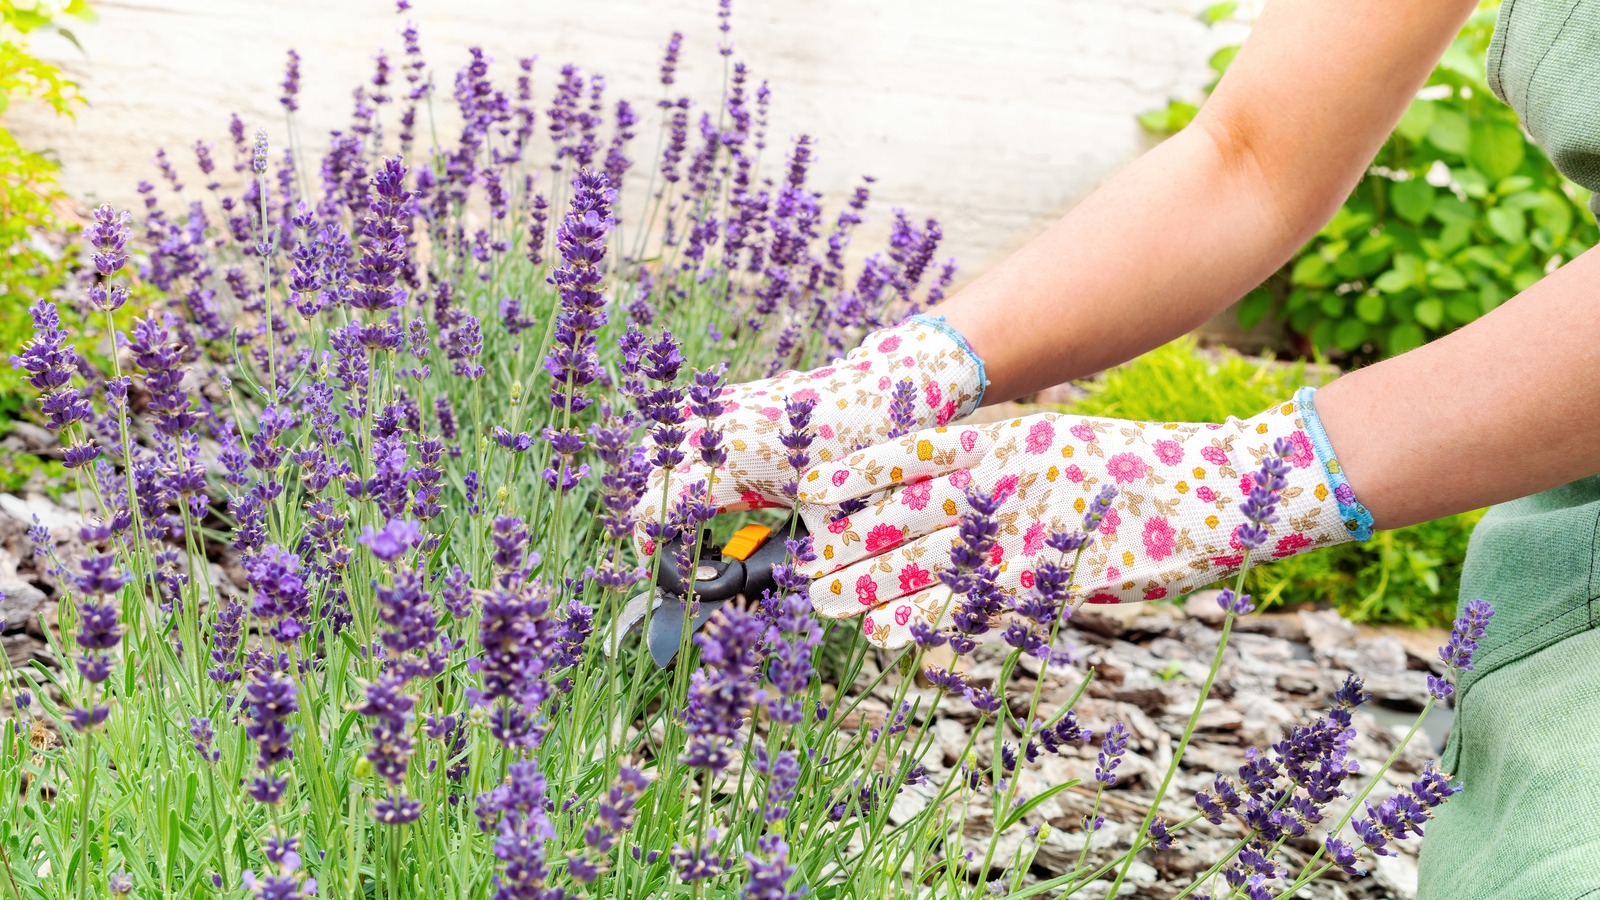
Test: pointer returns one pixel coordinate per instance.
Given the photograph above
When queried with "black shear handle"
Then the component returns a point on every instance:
(723, 579)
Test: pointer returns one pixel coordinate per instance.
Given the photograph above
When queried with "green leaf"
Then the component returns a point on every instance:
(1370, 308)
(1554, 215)
(1429, 312)
(1514, 184)
(1016, 814)
(1447, 278)
(174, 841)
(1510, 225)
(1450, 132)
(1498, 148)
(1449, 209)
(1473, 183)
(1490, 295)
(1170, 120)
(1412, 199)
(1416, 121)
(1312, 271)
(1253, 308)
(1392, 282)
(1216, 12)
(1322, 333)
(1454, 236)
(1350, 334)
(1403, 337)
(1332, 305)
(1461, 309)
(1223, 58)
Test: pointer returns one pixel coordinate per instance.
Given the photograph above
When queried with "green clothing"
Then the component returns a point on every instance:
(1526, 738)
(1544, 60)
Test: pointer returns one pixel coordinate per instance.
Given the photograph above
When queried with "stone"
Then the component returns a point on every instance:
(1326, 630)
(1398, 874)
(20, 599)
(1202, 605)
(50, 515)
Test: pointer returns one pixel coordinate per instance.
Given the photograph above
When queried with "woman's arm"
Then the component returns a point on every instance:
(1198, 221)
(1505, 407)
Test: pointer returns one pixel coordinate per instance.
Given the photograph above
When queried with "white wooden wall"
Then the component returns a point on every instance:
(993, 115)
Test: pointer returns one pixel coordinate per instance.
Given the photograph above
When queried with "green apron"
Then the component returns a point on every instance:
(1526, 738)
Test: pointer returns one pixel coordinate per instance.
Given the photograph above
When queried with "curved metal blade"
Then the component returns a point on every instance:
(628, 619)
(666, 627)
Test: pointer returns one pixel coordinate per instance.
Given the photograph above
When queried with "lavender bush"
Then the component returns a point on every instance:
(357, 484)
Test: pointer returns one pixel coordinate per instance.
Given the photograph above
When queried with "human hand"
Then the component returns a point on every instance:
(745, 444)
(1166, 507)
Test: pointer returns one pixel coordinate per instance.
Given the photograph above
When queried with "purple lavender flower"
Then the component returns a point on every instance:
(515, 812)
(770, 871)
(109, 238)
(281, 595)
(1268, 483)
(384, 248)
(1236, 604)
(572, 362)
(286, 881)
(725, 15)
(50, 363)
(669, 59)
(1112, 748)
(393, 540)
(1343, 855)
(291, 83)
(157, 351)
(699, 863)
(1160, 836)
(1465, 634)
(971, 576)
(1098, 507)
(903, 408)
(723, 689)
(789, 668)
(204, 734)
(269, 703)
(391, 711)
(258, 155)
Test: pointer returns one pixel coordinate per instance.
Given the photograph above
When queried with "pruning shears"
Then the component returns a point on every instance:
(742, 572)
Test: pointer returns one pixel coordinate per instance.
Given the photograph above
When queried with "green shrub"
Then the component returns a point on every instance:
(1458, 213)
(29, 194)
(1408, 575)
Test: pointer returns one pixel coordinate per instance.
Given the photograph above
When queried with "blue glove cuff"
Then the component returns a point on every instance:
(939, 324)
(1356, 517)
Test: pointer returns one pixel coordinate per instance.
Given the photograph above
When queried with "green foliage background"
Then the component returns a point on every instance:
(1458, 213)
(1409, 575)
(29, 194)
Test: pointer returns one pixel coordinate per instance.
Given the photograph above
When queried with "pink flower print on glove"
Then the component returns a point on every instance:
(1169, 452)
(1126, 467)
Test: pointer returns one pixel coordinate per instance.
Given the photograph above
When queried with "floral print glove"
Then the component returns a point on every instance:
(914, 375)
(885, 519)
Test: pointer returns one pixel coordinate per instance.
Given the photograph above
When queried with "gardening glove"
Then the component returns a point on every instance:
(885, 519)
(914, 375)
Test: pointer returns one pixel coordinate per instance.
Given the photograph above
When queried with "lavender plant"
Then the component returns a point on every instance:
(357, 490)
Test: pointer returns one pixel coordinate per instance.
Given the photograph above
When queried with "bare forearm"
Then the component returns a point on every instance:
(1161, 247)
(1194, 224)
(1503, 408)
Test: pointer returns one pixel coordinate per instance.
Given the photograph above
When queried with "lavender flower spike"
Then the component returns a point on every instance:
(581, 239)
(1267, 486)
(1465, 634)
